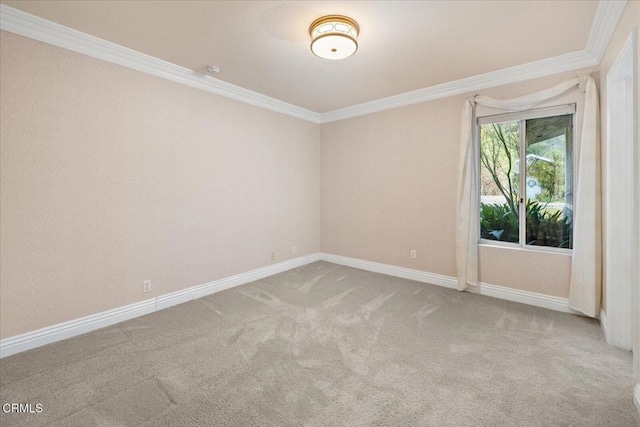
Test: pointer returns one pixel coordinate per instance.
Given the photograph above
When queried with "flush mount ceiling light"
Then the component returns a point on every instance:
(334, 37)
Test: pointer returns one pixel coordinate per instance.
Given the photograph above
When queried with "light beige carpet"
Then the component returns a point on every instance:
(330, 345)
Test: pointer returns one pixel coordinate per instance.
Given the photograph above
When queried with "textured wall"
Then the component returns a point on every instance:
(110, 176)
(389, 184)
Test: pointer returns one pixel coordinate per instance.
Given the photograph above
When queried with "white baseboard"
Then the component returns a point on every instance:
(392, 270)
(75, 327)
(501, 292)
(72, 328)
(603, 325)
(524, 297)
(195, 292)
(636, 396)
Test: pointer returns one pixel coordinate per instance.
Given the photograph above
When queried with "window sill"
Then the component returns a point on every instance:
(514, 247)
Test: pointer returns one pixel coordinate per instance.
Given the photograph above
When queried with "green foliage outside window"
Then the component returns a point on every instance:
(544, 227)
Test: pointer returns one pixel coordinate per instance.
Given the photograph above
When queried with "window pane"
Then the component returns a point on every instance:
(499, 187)
(549, 181)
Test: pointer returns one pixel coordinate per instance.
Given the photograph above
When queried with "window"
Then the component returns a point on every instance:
(526, 178)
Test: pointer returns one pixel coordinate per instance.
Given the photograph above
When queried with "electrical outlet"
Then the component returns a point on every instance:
(273, 255)
(294, 250)
(146, 286)
(413, 254)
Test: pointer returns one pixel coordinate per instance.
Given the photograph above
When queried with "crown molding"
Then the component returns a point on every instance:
(34, 27)
(532, 70)
(605, 20)
(604, 24)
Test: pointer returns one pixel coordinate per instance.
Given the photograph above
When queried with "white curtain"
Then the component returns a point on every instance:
(585, 286)
(585, 272)
(468, 223)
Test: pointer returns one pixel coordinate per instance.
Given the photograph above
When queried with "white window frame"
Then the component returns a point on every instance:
(522, 117)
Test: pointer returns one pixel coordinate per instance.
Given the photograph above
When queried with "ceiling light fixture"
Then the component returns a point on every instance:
(334, 37)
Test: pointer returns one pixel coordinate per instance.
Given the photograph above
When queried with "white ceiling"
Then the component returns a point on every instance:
(264, 46)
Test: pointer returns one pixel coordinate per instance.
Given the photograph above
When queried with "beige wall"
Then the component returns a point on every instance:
(110, 176)
(389, 184)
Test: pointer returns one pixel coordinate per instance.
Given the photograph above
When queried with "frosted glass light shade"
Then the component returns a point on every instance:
(334, 37)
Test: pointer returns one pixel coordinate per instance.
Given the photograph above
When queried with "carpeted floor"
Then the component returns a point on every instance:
(330, 345)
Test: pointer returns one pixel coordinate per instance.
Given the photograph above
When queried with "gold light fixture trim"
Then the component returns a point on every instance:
(334, 37)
